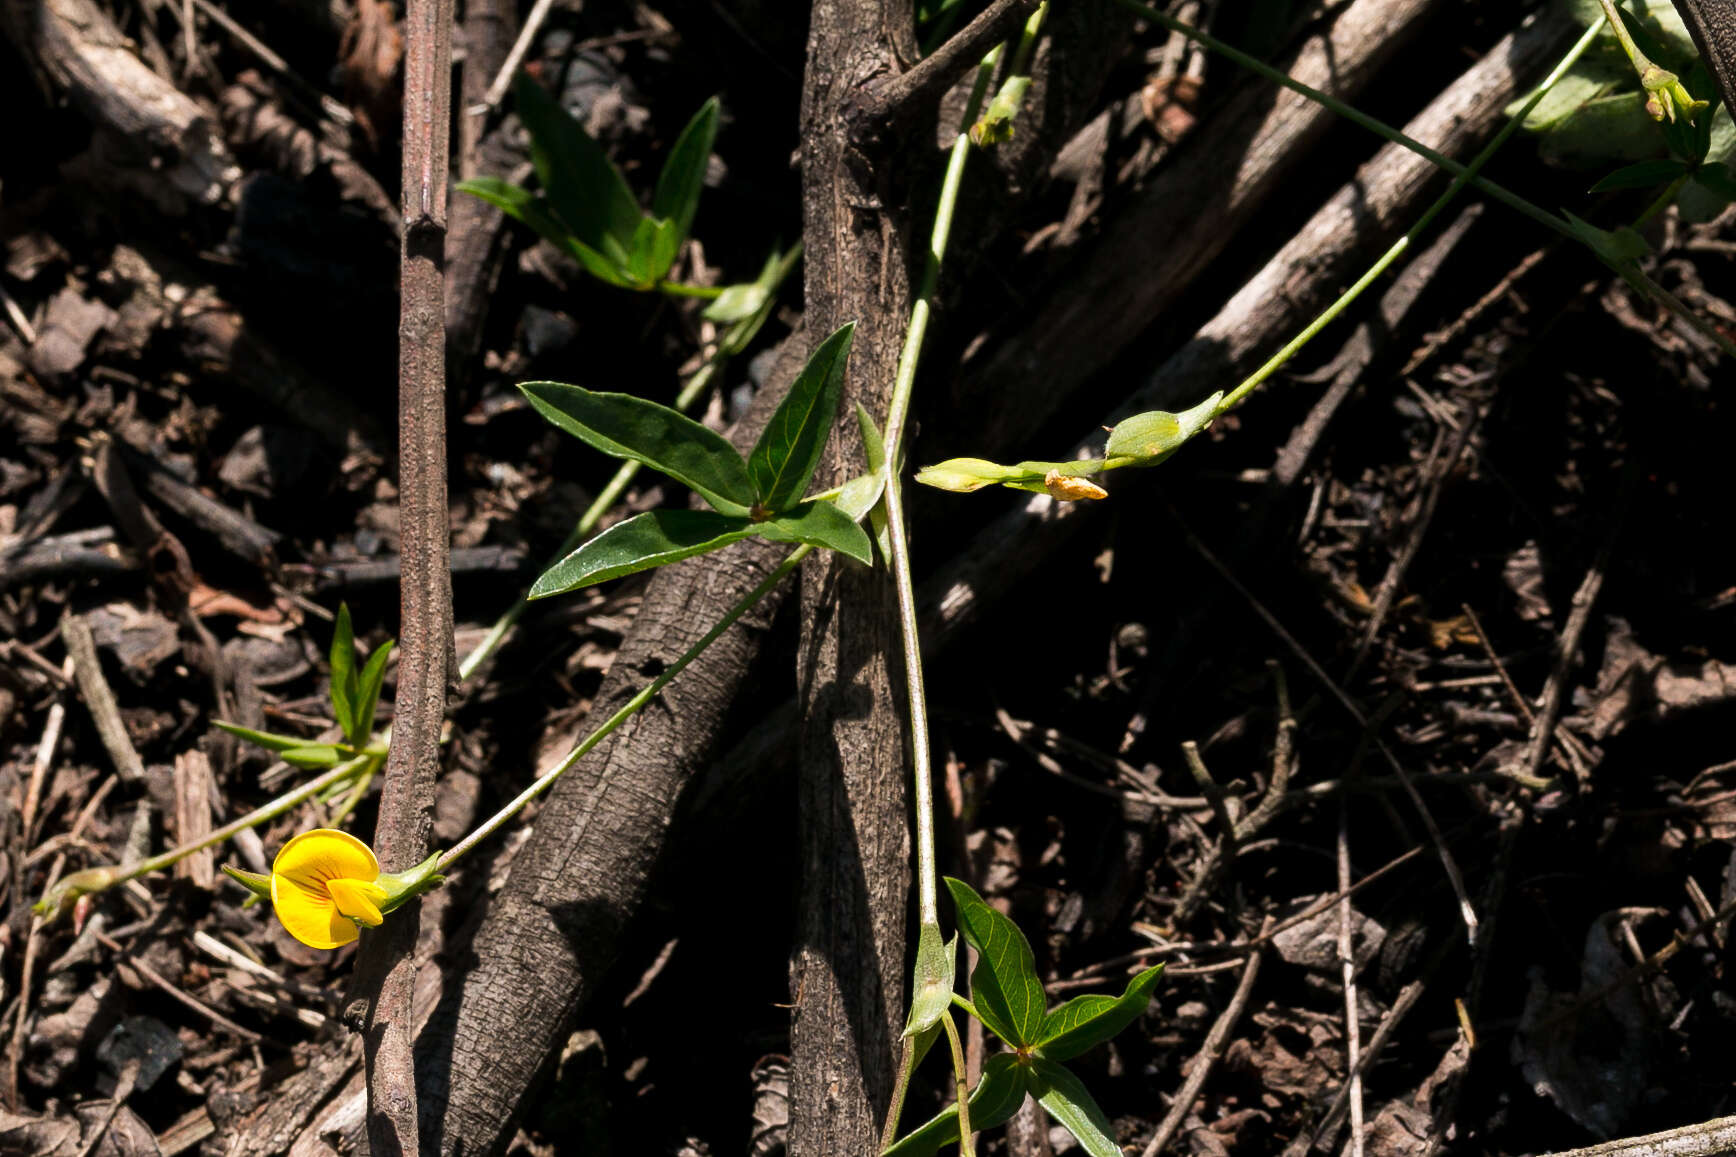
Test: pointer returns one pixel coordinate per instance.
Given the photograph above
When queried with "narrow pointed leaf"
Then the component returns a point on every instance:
(263, 739)
(784, 459)
(655, 538)
(874, 447)
(1066, 1099)
(996, 1098)
(1004, 987)
(584, 187)
(664, 439)
(777, 267)
(368, 695)
(523, 205)
(819, 523)
(683, 178)
(343, 661)
(313, 755)
(1085, 1021)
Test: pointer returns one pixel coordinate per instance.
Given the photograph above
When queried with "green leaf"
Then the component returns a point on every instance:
(655, 538)
(343, 660)
(1718, 180)
(996, 1098)
(784, 458)
(523, 205)
(683, 178)
(1151, 437)
(736, 302)
(1004, 988)
(777, 267)
(932, 982)
(819, 523)
(265, 739)
(1066, 1099)
(368, 692)
(1086, 1021)
(624, 426)
(1643, 175)
(874, 446)
(1618, 247)
(313, 755)
(583, 186)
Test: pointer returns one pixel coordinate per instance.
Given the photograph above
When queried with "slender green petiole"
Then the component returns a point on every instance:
(682, 289)
(966, 1142)
(627, 711)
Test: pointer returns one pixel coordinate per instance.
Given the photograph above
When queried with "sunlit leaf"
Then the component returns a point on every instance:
(664, 439)
(264, 739)
(819, 523)
(1086, 1021)
(655, 538)
(784, 458)
(1151, 437)
(996, 1098)
(368, 692)
(343, 662)
(523, 205)
(313, 755)
(932, 980)
(1004, 987)
(1065, 1098)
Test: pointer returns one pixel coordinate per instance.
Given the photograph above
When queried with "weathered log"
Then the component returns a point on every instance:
(160, 142)
(1152, 251)
(1361, 218)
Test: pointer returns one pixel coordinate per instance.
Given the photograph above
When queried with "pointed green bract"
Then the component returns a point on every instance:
(819, 523)
(343, 661)
(1151, 437)
(624, 426)
(655, 538)
(932, 983)
(683, 177)
(784, 458)
(963, 475)
(1065, 1098)
(583, 186)
(1087, 1021)
(1004, 987)
(996, 1098)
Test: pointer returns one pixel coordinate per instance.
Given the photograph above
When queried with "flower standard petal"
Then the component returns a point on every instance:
(326, 854)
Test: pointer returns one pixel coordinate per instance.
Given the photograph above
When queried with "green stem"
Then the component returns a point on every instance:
(1635, 57)
(1399, 247)
(966, 1143)
(260, 814)
(1662, 199)
(1512, 200)
(627, 711)
(898, 409)
(682, 289)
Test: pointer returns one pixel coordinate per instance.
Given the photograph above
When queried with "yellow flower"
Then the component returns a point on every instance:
(325, 883)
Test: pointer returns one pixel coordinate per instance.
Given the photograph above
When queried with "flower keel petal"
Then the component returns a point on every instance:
(359, 900)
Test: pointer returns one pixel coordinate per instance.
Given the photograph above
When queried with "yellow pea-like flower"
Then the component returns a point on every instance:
(324, 884)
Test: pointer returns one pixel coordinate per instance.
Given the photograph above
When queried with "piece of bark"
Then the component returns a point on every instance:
(1351, 227)
(159, 138)
(1150, 252)
(193, 817)
(93, 688)
(81, 554)
(234, 531)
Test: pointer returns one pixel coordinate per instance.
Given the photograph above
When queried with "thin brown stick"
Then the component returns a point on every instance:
(99, 698)
(930, 77)
(1703, 1140)
(1347, 966)
(386, 972)
(1206, 1059)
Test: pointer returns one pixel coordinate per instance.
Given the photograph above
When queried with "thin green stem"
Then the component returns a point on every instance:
(1662, 199)
(966, 1142)
(1399, 247)
(1512, 200)
(1637, 58)
(682, 289)
(627, 711)
(267, 811)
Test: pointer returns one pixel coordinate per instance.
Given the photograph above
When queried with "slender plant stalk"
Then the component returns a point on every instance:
(1403, 244)
(682, 289)
(627, 711)
(966, 1143)
(1636, 277)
